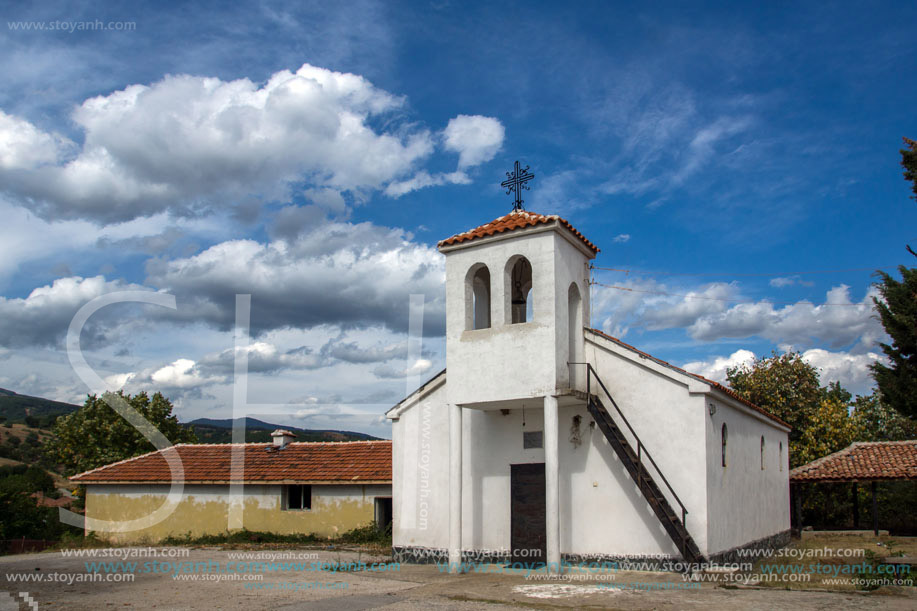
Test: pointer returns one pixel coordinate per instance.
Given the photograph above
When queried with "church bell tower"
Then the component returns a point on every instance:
(517, 298)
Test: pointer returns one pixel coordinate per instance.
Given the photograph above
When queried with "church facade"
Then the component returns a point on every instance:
(546, 441)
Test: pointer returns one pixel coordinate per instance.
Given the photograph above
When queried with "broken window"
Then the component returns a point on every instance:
(299, 496)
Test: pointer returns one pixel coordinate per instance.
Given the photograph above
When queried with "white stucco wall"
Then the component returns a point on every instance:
(420, 472)
(745, 503)
(667, 417)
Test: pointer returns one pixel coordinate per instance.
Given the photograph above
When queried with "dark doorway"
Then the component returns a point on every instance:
(384, 514)
(528, 523)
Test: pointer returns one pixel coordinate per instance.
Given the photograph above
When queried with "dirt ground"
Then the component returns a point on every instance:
(202, 578)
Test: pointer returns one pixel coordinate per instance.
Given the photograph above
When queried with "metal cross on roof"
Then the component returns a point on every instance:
(515, 183)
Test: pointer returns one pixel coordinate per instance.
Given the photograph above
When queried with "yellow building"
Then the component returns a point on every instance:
(282, 487)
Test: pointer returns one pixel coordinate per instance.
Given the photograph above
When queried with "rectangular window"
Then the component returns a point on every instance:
(532, 439)
(299, 497)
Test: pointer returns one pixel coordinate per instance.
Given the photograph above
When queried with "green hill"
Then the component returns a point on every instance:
(15, 408)
(209, 430)
(42, 413)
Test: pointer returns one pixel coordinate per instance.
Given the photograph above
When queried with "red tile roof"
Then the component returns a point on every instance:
(343, 462)
(723, 389)
(517, 219)
(862, 461)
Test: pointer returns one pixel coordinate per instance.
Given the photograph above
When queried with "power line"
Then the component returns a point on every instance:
(819, 271)
(687, 296)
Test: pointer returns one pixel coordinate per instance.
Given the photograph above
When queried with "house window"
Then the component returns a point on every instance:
(477, 297)
(299, 497)
(532, 440)
(762, 452)
(519, 290)
(781, 456)
(723, 434)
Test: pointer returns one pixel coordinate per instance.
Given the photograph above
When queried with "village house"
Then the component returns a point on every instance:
(324, 489)
(547, 440)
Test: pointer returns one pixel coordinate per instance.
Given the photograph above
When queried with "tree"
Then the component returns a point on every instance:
(96, 435)
(789, 388)
(783, 384)
(876, 421)
(898, 312)
(830, 429)
(909, 163)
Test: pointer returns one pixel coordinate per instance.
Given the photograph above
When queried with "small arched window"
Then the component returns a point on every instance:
(781, 456)
(519, 290)
(762, 452)
(477, 297)
(723, 434)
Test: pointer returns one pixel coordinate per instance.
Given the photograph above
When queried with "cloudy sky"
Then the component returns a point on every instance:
(739, 163)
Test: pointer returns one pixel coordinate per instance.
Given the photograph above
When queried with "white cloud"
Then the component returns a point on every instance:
(781, 282)
(43, 317)
(180, 374)
(703, 145)
(693, 306)
(621, 238)
(263, 357)
(338, 273)
(424, 179)
(851, 370)
(352, 352)
(189, 143)
(838, 321)
(387, 370)
(715, 369)
(180, 377)
(23, 146)
(475, 138)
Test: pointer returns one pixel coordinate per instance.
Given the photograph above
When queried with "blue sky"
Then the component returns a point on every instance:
(312, 155)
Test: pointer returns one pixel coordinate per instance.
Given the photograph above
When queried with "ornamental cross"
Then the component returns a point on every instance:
(515, 183)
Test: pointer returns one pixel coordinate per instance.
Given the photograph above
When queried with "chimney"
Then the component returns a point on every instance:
(282, 437)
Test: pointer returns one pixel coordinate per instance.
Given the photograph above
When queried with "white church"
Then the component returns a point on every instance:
(548, 441)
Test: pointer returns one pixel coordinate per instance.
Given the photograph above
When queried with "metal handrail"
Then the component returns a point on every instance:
(641, 449)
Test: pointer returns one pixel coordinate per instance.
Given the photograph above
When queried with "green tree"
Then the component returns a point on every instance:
(789, 388)
(830, 429)
(909, 163)
(96, 435)
(783, 384)
(876, 421)
(898, 312)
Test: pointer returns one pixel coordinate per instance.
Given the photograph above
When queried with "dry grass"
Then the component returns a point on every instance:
(842, 555)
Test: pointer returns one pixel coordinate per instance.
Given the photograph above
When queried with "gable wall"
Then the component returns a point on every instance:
(669, 421)
(420, 473)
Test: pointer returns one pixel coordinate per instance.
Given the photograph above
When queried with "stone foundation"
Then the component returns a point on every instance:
(776, 541)
(432, 555)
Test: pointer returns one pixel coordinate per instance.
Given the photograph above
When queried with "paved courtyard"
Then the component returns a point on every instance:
(203, 578)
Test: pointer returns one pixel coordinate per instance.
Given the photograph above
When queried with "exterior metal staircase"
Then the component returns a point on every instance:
(638, 465)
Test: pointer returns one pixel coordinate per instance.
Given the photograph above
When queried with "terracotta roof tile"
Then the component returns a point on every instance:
(517, 219)
(862, 461)
(723, 389)
(355, 461)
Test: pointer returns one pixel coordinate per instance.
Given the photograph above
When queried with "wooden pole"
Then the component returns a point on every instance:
(797, 501)
(856, 506)
(875, 509)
